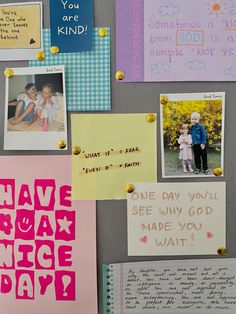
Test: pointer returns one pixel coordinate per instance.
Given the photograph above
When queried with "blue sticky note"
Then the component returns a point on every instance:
(71, 25)
(87, 74)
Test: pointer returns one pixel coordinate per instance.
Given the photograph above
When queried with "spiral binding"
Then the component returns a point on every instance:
(108, 289)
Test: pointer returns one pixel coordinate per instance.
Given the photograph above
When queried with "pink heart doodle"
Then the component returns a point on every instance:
(210, 234)
(144, 239)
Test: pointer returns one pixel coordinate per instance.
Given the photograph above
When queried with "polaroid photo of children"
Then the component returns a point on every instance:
(20, 30)
(35, 109)
(192, 134)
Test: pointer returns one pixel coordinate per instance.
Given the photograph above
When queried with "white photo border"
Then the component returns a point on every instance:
(192, 96)
(21, 140)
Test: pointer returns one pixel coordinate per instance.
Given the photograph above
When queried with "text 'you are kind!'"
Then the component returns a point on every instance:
(71, 30)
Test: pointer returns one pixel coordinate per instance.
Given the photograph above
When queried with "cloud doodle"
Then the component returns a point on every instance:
(232, 9)
(169, 10)
(195, 65)
(160, 68)
(231, 71)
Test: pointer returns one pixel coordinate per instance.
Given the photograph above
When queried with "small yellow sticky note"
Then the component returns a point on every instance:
(116, 149)
(20, 26)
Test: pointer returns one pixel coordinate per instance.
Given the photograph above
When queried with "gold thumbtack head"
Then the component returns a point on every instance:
(54, 50)
(61, 144)
(164, 100)
(102, 32)
(8, 73)
(120, 75)
(218, 172)
(76, 150)
(150, 117)
(40, 55)
(129, 188)
(221, 251)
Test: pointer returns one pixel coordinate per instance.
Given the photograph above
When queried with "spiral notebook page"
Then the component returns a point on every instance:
(167, 287)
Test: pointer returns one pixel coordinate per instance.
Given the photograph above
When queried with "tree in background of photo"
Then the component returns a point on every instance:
(176, 113)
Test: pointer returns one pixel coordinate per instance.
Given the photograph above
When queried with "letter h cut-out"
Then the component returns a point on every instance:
(7, 193)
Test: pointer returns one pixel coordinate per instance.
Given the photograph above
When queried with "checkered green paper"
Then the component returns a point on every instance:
(87, 74)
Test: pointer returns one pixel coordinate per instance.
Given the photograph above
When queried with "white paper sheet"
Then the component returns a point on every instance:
(176, 218)
(170, 287)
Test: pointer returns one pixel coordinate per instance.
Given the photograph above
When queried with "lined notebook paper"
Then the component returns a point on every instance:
(166, 287)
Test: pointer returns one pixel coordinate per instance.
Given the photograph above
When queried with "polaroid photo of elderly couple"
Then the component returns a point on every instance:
(35, 109)
(192, 134)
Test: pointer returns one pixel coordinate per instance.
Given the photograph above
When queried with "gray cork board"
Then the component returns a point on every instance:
(139, 98)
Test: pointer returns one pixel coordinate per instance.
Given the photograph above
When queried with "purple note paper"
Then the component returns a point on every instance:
(159, 40)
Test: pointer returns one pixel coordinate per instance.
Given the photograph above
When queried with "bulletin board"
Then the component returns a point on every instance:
(140, 98)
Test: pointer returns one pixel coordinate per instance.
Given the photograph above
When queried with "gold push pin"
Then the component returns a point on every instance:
(150, 117)
(76, 150)
(218, 172)
(120, 75)
(40, 55)
(164, 100)
(129, 188)
(8, 73)
(61, 144)
(102, 32)
(221, 251)
(54, 50)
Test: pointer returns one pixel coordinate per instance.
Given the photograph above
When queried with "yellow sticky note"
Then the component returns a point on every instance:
(115, 149)
(20, 26)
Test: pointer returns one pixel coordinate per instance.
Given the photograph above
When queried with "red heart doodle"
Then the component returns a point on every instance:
(144, 239)
(210, 234)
